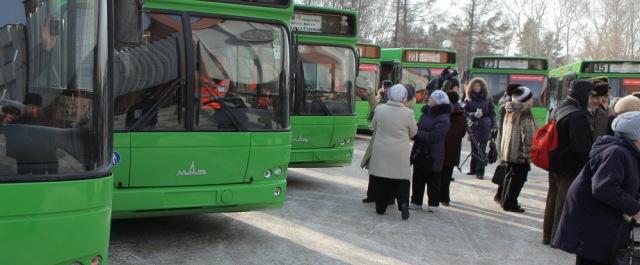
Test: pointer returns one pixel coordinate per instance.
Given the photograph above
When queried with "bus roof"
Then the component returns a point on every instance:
(278, 11)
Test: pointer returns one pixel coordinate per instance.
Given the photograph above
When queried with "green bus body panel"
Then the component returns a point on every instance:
(317, 140)
(43, 230)
(162, 177)
(226, 9)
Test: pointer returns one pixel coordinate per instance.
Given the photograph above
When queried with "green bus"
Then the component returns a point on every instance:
(201, 107)
(323, 119)
(416, 67)
(55, 132)
(369, 69)
(624, 77)
(498, 71)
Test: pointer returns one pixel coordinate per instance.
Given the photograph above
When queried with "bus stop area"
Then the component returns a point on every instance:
(323, 221)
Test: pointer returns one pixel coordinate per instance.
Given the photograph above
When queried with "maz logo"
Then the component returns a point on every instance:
(300, 139)
(192, 171)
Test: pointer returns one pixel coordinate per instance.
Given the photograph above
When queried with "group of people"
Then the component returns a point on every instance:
(594, 178)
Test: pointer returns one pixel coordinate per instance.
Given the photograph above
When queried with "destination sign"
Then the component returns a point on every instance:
(512, 64)
(368, 51)
(613, 67)
(417, 56)
(324, 23)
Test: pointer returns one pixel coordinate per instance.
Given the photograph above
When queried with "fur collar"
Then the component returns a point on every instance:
(437, 110)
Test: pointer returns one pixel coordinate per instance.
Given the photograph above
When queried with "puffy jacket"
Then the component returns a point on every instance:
(428, 148)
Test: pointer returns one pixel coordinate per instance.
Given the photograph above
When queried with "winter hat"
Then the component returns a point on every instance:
(33, 99)
(440, 97)
(454, 97)
(627, 125)
(398, 93)
(411, 91)
(364, 83)
(580, 91)
(519, 93)
(636, 94)
(627, 104)
(601, 89)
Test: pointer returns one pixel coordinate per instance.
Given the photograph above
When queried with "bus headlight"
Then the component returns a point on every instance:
(277, 192)
(97, 260)
(348, 153)
(277, 172)
(343, 142)
(267, 174)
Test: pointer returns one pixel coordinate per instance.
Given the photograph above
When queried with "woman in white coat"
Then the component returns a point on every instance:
(390, 166)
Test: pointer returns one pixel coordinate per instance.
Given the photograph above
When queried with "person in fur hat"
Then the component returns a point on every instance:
(480, 110)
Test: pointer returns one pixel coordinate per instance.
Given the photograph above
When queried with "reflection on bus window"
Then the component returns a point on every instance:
(329, 79)
(48, 89)
(498, 82)
(241, 75)
(417, 77)
(370, 72)
(149, 83)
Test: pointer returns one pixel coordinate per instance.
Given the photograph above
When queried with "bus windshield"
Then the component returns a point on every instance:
(418, 77)
(52, 121)
(498, 82)
(329, 78)
(623, 87)
(242, 74)
(370, 72)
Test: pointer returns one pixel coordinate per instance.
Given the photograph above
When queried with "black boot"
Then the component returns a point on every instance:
(404, 209)
(368, 200)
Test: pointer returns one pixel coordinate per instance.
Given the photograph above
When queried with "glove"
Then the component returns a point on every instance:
(478, 114)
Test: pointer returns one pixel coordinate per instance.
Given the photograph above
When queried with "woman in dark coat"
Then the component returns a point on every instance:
(452, 146)
(593, 224)
(427, 155)
(480, 110)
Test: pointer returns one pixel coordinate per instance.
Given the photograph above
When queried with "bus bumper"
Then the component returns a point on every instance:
(168, 201)
(321, 157)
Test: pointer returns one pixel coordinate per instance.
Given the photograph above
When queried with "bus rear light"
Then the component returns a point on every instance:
(343, 142)
(277, 192)
(97, 260)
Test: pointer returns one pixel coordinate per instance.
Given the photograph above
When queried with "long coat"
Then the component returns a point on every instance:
(518, 128)
(453, 140)
(394, 126)
(428, 148)
(592, 224)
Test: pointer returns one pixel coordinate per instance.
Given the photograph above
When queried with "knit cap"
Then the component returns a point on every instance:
(398, 93)
(627, 104)
(627, 125)
(440, 97)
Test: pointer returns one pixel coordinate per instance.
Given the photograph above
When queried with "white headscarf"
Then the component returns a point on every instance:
(398, 93)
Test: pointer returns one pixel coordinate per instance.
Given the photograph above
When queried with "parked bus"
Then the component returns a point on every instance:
(369, 69)
(323, 117)
(416, 67)
(623, 76)
(498, 71)
(202, 107)
(55, 132)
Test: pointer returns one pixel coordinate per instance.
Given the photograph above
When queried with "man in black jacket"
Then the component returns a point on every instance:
(574, 145)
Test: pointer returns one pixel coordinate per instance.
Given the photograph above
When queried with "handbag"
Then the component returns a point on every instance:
(500, 174)
(492, 155)
(420, 153)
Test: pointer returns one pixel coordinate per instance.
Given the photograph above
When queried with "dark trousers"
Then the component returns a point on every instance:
(558, 187)
(432, 180)
(445, 184)
(386, 189)
(478, 166)
(513, 184)
(584, 261)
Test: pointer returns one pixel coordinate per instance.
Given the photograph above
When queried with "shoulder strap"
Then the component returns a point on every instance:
(564, 112)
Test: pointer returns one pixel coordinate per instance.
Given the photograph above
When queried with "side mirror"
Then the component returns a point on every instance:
(128, 25)
(358, 62)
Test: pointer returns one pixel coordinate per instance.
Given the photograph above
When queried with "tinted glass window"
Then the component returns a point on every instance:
(371, 72)
(51, 94)
(149, 83)
(241, 72)
(329, 78)
(498, 82)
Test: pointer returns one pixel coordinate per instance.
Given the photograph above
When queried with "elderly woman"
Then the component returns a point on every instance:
(428, 150)
(604, 194)
(390, 167)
